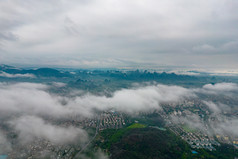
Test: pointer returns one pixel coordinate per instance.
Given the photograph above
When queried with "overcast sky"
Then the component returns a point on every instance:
(120, 33)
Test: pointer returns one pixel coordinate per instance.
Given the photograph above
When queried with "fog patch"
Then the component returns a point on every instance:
(8, 75)
(5, 145)
(31, 128)
(228, 126)
(99, 154)
(213, 107)
(58, 84)
(192, 121)
(35, 99)
(219, 88)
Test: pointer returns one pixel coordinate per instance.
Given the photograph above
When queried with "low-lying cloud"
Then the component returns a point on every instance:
(34, 99)
(8, 75)
(5, 146)
(221, 87)
(31, 128)
(212, 106)
(98, 154)
(228, 126)
(26, 106)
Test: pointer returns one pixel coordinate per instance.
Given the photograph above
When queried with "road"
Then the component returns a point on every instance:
(85, 146)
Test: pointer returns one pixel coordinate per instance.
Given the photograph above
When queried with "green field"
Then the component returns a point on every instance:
(188, 129)
(136, 125)
(119, 133)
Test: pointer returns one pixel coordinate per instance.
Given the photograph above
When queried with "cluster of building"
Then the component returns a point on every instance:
(111, 120)
(227, 139)
(41, 147)
(89, 123)
(199, 139)
(195, 139)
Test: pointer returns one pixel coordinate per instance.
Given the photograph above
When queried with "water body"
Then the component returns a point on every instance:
(156, 127)
(194, 152)
(3, 156)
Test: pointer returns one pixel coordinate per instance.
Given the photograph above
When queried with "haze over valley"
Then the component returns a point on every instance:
(118, 79)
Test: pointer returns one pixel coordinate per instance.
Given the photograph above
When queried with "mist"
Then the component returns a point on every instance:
(26, 107)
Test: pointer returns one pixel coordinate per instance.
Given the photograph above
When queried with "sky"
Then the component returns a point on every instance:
(120, 33)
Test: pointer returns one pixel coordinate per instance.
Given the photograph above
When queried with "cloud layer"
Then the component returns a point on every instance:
(27, 75)
(26, 108)
(5, 146)
(31, 128)
(34, 99)
(106, 33)
(222, 119)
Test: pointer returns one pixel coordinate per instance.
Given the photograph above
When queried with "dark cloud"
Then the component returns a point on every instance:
(8, 36)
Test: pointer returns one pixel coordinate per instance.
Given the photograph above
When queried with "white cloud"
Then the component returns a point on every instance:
(58, 84)
(147, 98)
(5, 145)
(33, 99)
(228, 126)
(31, 127)
(8, 75)
(212, 106)
(98, 154)
(27, 104)
(221, 87)
(228, 89)
(192, 120)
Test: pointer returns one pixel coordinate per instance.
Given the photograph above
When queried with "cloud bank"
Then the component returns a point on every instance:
(8, 75)
(34, 99)
(224, 87)
(223, 121)
(25, 108)
(229, 89)
(31, 128)
(5, 146)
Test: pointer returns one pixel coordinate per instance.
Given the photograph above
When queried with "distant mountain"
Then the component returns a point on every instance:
(138, 75)
(47, 72)
(6, 67)
(41, 72)
(109, 80)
